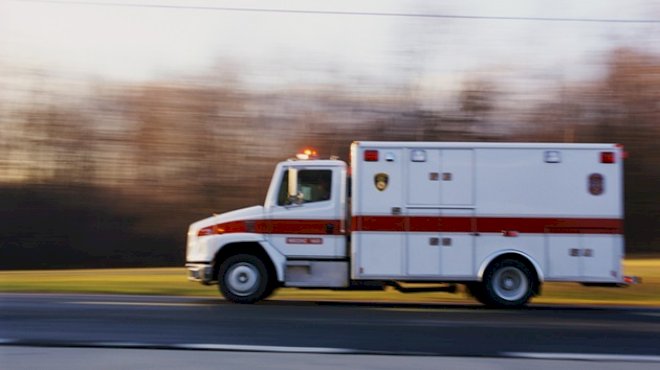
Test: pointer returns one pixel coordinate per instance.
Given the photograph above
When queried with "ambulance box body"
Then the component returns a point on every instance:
(499, 218)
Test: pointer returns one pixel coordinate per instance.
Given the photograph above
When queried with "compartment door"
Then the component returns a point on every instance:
(423, 177)
(599, 257)
(564, 252)
(457, 177)
(423, 243)
(457, 248)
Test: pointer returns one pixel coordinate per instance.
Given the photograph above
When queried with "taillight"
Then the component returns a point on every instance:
(371, 155)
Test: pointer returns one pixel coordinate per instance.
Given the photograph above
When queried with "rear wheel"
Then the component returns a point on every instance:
(243, 278)
(508, 283)
(477, 291)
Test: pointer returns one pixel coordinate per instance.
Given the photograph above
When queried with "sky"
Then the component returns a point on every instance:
(136, 40)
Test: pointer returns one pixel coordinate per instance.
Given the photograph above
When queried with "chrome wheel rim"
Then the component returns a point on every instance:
(510, 283)
(242, 279)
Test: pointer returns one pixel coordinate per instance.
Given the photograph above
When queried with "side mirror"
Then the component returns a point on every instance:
(295, 200)
(295, 197)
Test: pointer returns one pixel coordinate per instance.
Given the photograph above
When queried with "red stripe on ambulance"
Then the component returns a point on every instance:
(527, 225)
(296, 227)
(487, 224)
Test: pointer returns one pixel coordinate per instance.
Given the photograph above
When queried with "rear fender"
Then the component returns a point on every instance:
(487, 261)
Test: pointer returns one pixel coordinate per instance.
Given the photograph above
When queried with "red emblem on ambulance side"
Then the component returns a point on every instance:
(596, 184)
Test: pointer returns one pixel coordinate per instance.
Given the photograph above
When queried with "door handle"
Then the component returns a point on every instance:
(329, 228)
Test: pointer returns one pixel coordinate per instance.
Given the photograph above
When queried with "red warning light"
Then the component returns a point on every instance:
(624, 154)
(371, 155)
(607, 157)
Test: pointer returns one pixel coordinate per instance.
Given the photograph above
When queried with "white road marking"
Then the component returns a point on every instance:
(117, 303)
(582, 356)
(329, 350)
(418, 309)
(652, 314)
(254, 348)
(119, 344)
(196, 346)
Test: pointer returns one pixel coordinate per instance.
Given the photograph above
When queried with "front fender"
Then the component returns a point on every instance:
(215, 243)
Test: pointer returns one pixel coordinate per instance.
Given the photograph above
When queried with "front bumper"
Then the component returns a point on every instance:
(200, 272)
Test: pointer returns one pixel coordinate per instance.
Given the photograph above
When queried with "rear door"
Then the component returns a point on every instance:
(440, 197)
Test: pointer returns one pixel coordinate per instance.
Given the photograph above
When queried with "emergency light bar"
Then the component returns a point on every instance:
(307, 154)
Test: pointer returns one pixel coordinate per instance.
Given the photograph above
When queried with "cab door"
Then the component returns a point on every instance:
(312, 226)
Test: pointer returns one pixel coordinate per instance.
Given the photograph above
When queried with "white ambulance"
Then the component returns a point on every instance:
(500, 218)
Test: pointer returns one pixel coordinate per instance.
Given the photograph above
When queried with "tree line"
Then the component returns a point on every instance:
(107, 174)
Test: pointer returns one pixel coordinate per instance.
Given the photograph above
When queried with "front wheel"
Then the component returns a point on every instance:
(508, 283)
(243, 278)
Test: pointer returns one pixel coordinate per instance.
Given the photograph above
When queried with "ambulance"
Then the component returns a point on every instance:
(498, 218)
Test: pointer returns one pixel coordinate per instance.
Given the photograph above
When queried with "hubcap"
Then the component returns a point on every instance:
(510, 283)
(242, 279)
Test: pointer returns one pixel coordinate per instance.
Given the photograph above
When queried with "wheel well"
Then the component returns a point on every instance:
(536, 282)
(243, 248)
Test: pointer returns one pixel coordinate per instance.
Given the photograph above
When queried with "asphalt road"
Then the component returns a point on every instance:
(54, 358)
(29, 320)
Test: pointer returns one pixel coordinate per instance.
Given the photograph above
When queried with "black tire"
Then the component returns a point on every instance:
(243, 278)
(508, 283)
(477, 291)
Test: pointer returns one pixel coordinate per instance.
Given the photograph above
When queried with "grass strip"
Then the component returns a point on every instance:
(173, 281)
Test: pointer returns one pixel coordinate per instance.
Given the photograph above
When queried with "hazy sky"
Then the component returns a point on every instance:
(277, 49)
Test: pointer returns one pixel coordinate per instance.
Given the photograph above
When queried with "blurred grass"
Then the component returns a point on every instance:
(173, 281)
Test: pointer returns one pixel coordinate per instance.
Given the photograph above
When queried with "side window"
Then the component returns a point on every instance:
(314, 185)
(283, 195)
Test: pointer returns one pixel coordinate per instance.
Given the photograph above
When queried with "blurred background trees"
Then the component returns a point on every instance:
(101, 174)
